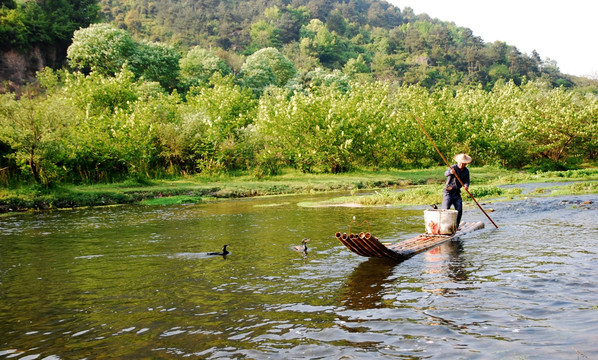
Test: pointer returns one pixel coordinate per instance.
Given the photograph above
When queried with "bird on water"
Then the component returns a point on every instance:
(302, 247)
(224, 251)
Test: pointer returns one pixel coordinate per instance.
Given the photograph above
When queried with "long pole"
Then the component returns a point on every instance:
(457, 176)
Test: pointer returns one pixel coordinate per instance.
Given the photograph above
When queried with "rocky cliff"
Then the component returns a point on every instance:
(19, 68)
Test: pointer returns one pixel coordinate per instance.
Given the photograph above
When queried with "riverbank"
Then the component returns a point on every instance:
(194, 189)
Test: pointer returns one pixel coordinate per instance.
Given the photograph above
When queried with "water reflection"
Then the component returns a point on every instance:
(365, 286)
(444, 272)
(445, 268)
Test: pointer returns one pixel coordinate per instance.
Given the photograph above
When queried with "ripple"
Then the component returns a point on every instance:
(134, 282)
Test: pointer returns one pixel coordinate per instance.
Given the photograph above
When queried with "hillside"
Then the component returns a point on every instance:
(369, 37)
(393, 43)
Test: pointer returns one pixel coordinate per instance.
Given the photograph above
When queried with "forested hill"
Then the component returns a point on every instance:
(369, 37)
(393, 43)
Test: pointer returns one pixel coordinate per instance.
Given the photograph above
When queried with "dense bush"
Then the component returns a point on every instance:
(89, 128)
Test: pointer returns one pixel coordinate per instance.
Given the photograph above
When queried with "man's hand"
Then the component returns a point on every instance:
(452, 171)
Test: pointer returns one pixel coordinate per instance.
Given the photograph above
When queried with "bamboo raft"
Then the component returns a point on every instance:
(365, 244)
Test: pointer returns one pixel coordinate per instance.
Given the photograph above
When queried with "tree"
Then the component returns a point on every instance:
(199, 65)
(37, 129)
(100, 48)
(104, 49)
(336, 22)
(66, 16)
(356, 66)
(157, 62)
(225, 110)
(290, 22)
(557, 123)
(265, 34)
(414, 40)
(51, 22)
(267, 67)
(13, 29)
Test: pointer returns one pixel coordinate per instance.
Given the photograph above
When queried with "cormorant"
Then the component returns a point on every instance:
(224, 251)
(302, 247)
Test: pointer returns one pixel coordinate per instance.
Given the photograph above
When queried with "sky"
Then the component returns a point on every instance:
(563, 31)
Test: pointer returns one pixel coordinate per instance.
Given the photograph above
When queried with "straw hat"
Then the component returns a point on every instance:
(462, 158)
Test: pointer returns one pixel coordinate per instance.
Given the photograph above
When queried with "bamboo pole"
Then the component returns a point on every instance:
(457, 176)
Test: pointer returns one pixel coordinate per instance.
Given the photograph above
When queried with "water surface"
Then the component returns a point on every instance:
(135, 282)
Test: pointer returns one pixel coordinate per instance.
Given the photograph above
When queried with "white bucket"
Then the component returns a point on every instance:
(440, 221)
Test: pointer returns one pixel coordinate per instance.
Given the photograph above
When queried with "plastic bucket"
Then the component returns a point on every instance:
(440, 221)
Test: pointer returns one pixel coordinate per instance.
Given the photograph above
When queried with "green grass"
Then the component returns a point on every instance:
(432, 194)
(172, 200)
(192, 189)
(420, 195)
(589, 187)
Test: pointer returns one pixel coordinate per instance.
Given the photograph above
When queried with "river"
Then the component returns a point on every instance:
(134, 282)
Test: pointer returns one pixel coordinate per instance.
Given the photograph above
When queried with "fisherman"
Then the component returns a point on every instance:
(452, 188)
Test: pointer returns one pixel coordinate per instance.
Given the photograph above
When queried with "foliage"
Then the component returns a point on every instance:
(559, 122)
(90, 128)
(38, 132)
(394, 44)
(157, 62)
(367, 36)
(199, 65)
(100, 48)
(264, 34)
(104, 49)
(266, 67)
(121, 117)
(213, 123)
(13, 29)
(24, 24)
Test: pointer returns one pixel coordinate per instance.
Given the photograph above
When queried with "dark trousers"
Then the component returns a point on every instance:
(448, 200)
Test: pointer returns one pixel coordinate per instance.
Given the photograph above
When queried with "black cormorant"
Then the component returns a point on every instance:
(224, 251)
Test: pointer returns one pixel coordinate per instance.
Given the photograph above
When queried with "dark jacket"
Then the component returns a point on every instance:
(453, 186)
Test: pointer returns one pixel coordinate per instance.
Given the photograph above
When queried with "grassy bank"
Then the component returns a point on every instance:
(205, 187)
(487, 188)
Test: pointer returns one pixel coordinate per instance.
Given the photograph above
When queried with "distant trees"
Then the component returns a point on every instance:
(101, 48)
(199, 64)
(104, 49)
(327, 46)
(264, 34)
(266, 67)
(157, 62)
(396, 44)
(90, 128)
(29, 23)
